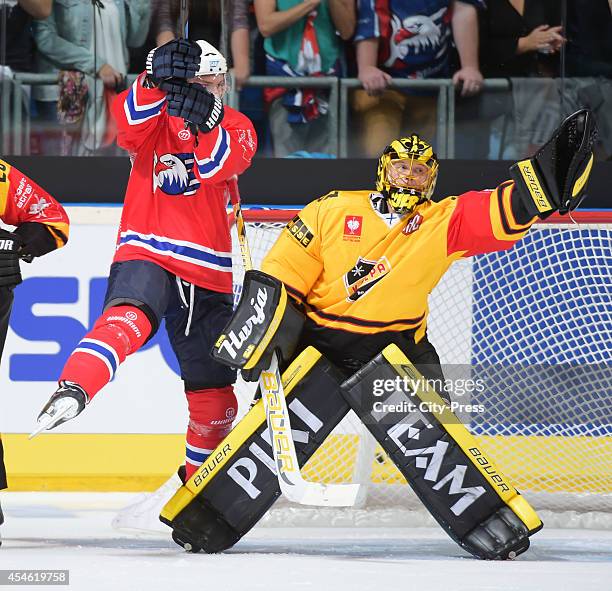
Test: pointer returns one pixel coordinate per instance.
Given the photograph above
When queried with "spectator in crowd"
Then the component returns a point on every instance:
(17, 49)
(89, 43)
(208, 21)
(398, 39)
(521, 38)
(518, 39)
(16, 41)
(302, 38)
(589, 38)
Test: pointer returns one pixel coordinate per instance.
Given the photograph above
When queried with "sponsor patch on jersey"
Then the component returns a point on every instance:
(364, 276)
(300, 231)
(184, 134)
(413, 224)
(38, 209)
(352, 227)
(248, 143)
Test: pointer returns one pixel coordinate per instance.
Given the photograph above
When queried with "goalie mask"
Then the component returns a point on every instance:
(407, 173)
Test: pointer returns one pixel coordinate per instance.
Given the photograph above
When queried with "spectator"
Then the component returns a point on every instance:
(92, 39)
(521, 38)
(398, 39)
(589, 33)
(207, 21)
(301, 40)
(17, 51)
(518, 39)
(17, 43)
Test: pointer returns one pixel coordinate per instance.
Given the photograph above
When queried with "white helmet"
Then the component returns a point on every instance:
(211, 60)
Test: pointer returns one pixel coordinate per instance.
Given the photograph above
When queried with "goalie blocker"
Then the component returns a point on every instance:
(454, 478)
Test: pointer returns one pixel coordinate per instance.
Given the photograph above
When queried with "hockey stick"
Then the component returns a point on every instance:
(184, 18)
(290, 479)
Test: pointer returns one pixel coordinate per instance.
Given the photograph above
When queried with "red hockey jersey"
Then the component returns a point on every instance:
(22, 200)
(175, 205)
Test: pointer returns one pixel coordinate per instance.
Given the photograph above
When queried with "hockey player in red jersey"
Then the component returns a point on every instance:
(41, 225)
(173, 257)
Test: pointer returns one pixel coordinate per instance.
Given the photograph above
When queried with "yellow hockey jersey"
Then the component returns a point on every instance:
(359, 270)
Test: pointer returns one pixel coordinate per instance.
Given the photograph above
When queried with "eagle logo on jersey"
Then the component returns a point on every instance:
(364, 276)
(173, 174)
(414, 34)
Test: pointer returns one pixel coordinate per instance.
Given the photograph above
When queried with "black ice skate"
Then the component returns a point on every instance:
(67, 402)
(1, 522)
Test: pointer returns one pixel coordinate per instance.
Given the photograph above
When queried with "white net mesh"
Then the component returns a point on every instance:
(534, 324)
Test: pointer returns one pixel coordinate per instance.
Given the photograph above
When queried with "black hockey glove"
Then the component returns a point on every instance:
(193, 103)
(179, 58)
(556, 177)
(10, 274)
(37, 239)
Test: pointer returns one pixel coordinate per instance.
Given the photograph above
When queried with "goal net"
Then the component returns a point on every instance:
(531, 328)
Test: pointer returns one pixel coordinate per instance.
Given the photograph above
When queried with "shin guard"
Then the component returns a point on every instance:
(120, 331)
(211, 414)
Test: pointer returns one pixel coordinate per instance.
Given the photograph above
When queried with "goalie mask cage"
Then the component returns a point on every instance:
(533, 324)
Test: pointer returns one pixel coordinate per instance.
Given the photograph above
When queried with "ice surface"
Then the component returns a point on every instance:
(72, 531)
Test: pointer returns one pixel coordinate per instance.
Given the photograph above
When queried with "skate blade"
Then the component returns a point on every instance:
(48, 421)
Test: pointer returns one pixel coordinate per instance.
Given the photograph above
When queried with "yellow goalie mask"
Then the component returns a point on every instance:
(407, 173)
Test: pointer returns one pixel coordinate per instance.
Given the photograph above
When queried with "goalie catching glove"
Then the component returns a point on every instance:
(556, 177)
(265, 321)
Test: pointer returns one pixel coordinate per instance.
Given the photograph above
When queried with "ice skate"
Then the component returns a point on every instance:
(142, 514)
(67, 402)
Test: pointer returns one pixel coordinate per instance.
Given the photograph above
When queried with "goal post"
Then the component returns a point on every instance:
(533, 327)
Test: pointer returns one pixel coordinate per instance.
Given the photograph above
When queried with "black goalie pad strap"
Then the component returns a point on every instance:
(556, 177)
(447, 469)
(237, 485)
(263, 322)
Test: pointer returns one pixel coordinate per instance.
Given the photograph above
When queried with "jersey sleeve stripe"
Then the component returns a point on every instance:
(506, 207)
(499, 222)
(138, 113)
(210, 166)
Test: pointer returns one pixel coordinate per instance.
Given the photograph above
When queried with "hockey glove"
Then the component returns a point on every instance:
(10, 274)
(193, 103)
(37, 239)
(556, 177)
(179, 58)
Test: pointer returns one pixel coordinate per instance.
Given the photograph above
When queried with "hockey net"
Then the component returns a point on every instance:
(534, 324)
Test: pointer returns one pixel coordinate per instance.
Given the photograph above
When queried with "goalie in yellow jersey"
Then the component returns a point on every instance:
(342, 301)
(361, 264)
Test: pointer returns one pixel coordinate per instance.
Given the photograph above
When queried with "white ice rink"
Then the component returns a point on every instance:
(73, 531)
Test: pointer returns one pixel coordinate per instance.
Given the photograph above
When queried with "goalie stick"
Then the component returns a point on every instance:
(290, 479)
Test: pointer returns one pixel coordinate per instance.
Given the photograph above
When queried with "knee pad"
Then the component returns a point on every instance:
(212, 411)
(127, 326)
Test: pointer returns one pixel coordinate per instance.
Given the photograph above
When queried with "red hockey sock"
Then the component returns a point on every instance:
(211, 413)
(120, 331)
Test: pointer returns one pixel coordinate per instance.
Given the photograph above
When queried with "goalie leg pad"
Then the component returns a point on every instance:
(445, 466)
(237, 484)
